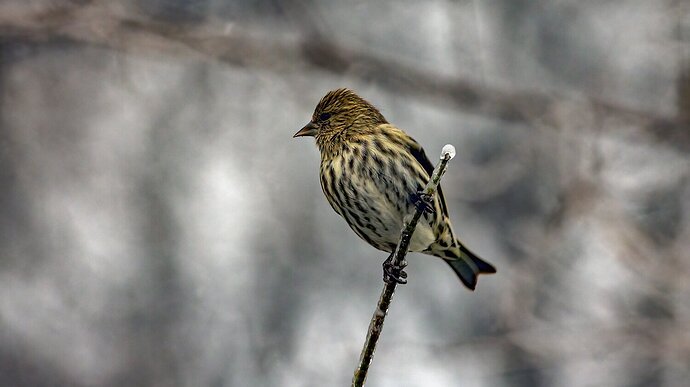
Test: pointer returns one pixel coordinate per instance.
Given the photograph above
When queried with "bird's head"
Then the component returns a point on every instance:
(341, 113)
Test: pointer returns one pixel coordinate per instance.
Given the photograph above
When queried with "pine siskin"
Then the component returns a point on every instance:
(372, 174)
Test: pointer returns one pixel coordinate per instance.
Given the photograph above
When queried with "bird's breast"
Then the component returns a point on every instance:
(372, 194)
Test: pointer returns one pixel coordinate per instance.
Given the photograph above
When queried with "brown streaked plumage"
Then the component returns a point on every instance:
(371, 173)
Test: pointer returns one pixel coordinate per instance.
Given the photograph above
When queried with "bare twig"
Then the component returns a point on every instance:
(109, 24)
(376, 325)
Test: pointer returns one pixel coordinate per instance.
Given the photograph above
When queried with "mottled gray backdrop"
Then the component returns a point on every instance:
(159, 226)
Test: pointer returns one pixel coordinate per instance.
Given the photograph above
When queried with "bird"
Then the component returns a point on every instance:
(373, 174)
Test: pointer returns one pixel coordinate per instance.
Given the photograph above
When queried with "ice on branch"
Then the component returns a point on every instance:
(447, 151)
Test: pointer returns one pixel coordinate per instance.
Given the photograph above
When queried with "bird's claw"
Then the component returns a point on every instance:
(423, 202)
(393, 273)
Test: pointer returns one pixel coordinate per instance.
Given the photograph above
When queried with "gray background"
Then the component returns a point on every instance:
(160, 227)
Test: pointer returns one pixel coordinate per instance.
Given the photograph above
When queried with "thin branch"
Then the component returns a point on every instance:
(376, 324)
(108, 24)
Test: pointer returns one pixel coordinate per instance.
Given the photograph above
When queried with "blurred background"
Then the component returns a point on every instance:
(159, 226)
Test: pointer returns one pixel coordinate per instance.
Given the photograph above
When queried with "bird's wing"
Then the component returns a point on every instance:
(418, 152)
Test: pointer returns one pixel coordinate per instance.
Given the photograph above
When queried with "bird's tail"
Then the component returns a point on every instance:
(466, 264)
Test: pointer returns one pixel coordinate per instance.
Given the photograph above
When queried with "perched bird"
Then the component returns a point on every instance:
(373, 173)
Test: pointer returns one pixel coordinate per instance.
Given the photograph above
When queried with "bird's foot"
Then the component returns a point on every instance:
(423, 202)
(393, 273)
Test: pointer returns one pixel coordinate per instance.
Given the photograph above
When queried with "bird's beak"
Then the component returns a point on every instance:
(309, 129)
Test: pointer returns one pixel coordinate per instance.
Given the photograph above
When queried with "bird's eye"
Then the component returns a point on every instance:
(324, 116)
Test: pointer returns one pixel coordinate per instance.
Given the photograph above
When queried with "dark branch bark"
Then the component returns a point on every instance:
(376, 324)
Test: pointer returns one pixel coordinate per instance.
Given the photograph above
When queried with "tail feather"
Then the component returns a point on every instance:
(466, 264)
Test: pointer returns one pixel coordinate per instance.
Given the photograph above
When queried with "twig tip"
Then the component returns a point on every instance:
(448, 152)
